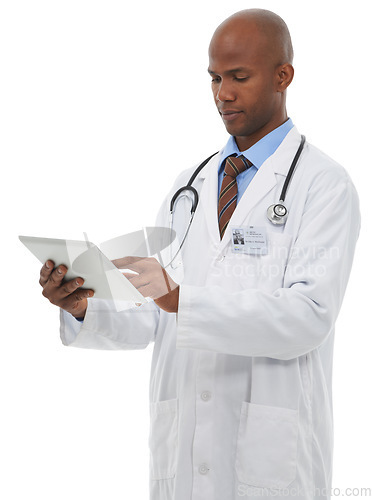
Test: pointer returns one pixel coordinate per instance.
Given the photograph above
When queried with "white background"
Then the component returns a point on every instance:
(98, 98)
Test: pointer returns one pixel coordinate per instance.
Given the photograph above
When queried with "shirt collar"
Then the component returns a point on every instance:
(259, 152)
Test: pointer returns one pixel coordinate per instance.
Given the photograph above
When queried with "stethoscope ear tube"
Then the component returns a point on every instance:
(200, 167)
(291, 168)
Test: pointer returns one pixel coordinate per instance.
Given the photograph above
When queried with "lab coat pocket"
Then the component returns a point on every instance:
(267, 446)
(163, 438)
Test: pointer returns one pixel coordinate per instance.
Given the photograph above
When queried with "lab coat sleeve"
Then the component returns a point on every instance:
(298, 317)
(106, 328)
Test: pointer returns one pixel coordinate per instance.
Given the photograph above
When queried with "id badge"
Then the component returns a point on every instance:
(251, 240)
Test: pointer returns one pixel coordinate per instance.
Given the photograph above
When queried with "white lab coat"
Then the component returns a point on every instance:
(241, 379)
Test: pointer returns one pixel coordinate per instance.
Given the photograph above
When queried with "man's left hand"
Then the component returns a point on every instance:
(152, 281)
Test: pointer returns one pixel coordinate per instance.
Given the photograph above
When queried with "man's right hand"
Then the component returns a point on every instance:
(65, 294)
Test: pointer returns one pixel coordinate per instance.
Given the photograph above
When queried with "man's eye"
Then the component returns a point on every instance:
(215, 80)
(241, 79)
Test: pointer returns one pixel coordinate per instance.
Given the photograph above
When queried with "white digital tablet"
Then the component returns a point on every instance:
(85, 260)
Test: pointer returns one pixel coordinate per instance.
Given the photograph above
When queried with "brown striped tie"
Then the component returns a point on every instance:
(229, 189)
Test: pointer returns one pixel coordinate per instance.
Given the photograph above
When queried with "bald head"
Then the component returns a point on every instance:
(250, 62)
(266, 26)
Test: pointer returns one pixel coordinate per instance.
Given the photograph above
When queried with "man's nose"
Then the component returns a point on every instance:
(225, 92)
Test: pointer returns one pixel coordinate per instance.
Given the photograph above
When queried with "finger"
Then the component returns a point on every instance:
(129, 276)
(56, 277)
(144, 265)
(147, 290)
(46, 271)
(70, 287)
(51, 289)
(137, 280)
(73, 301)
(82, 294)
(154, 292)
(128, 262)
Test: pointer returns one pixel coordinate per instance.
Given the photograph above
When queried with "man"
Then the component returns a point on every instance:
(241, 378)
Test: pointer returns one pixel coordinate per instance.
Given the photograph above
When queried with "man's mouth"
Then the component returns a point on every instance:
(229, 114)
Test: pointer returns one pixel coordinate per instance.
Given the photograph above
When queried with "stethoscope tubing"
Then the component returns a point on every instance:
(189, 187)
(292, 169)
(280, 219)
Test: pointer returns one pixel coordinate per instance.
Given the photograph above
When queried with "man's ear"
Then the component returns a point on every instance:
(285, 73)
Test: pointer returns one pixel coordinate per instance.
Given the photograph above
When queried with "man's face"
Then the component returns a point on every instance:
(244, 85)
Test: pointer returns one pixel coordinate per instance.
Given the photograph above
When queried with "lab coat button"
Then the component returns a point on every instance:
(206, 395)
(203, 469)
(220, 258)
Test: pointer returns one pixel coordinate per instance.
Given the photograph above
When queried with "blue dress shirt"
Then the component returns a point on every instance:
(257, 154)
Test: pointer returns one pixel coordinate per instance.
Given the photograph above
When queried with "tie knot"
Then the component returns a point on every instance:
(236, 165)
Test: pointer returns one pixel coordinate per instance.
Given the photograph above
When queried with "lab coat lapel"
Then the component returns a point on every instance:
(268, 176)
(262, 183)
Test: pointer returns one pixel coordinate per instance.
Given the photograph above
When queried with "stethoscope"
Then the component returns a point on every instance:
(276, 213)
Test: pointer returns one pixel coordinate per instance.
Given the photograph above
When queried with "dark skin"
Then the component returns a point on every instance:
(152, 281)
(249, 81)
(65, 294)
(250, 65)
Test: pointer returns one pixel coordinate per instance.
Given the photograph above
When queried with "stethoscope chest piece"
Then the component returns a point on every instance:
(277, 214)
